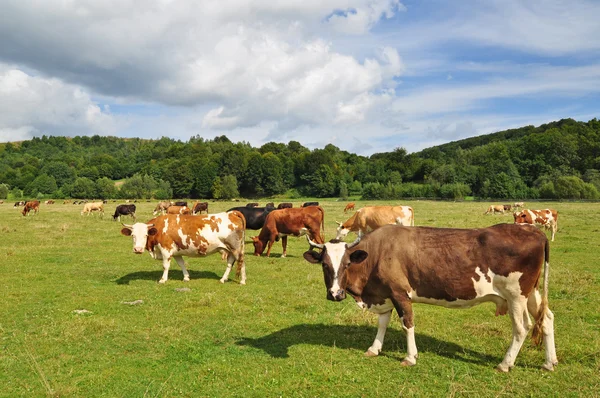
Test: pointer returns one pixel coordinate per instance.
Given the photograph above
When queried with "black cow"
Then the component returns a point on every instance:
(181, 203)
(252, 204)
(255, 216)
(305, 204)
(124, 210)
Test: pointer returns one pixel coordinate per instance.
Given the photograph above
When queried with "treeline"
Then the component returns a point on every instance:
(559, 160)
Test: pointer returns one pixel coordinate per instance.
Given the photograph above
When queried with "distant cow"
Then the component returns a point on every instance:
(252, 204)
(93, 206)
(255, 216)
(305, 204)
(179, 210)
(493, 209)
(19, 203)
(124, 210)
(270, 205)
(518, 204)
(395, 266)
(49, 202)
(31, 205)
(295, 221)
(285, 205)
(180, 203)
(547, 218)
(506, 207)
(373, 217)
(175, 236)
(199, 207)
(161, 207)
(349, 206)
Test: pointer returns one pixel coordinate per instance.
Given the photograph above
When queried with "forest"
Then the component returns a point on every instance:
(558, 160)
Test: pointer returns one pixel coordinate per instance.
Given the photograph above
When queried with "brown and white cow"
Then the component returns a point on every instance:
(519, 204)
(93, 206)
(349, 206)
(31, 205)
(179, 210)
(199, 207)
(395, 266)
(296, 221)
(161, 207)
(493, 209)
(546, 218)
(174, 236)
(373, 217)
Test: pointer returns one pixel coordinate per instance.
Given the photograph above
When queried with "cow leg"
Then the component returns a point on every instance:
(384, 320)
(554, 228)
(166, 264)
(534, 303)
(520, 325)
(284, 245)
(230, 261)
(403, 306)
(270, 246)
(181, 262)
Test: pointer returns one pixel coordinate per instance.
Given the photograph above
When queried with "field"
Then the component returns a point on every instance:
(276, 336)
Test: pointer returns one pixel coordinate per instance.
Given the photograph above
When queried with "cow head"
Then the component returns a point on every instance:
(335, 258)
(259, 246)
(522, 217)
(342, 231)
(139, 232)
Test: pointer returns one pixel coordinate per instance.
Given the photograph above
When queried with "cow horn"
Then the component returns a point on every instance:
(356, 242)
(313, 244)
(150, 225)
(339, 223)
(127, 225)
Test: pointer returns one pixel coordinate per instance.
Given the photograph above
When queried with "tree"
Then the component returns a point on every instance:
(4, 189)
(106, 188)
(83, 188)
(43, 184)
(229, 189)
(343, 190)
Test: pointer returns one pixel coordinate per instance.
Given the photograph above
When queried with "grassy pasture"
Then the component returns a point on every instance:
(276, 336)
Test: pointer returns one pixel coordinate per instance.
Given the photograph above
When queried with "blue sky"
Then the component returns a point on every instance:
(365, 75)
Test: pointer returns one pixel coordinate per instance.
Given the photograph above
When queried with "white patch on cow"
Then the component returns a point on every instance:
(177, 219)
(336, 252)
(342, 232)
(387, 306)
(166, 227)
(183, 237)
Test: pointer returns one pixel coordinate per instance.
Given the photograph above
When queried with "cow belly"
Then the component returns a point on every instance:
(386, 307)
(300, 232)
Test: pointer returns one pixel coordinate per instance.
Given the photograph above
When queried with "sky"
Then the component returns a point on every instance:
(367, 76)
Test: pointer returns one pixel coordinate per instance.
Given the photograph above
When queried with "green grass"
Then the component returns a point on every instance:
(276, 336)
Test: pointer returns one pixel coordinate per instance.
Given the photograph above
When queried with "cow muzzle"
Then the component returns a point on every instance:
(138, 250)
(337, 296)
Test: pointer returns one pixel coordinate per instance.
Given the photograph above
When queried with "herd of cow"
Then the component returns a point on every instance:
(391, 265)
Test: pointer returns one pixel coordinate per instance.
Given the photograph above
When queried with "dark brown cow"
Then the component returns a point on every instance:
(507, 207)
(306, 204)
(31, 205)
(199, 207)
(285, 205)
(547, 218)
(396, 266)
(180, 203)
(349, 206)
(252, 204)
(174, 236)
(295, 221)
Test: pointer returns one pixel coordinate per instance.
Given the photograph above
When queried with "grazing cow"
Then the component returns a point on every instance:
(252, 204)
(180, 203)
(93, 206)
(506, 207)
(395, 266)
(49, 202)
(1, 202)
(175, 236)
(179, 210)
(199, 207)
(285, 205)
(295, 221)
(255, 216)
(518, 204)
(124, 210)
(349, 206)
(161, 207)
(373, 217)
(31, 205)
(19, 203)
(546, 218)
(493, 209)
(305, 204)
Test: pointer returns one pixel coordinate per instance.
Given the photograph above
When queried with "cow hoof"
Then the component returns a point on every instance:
(548, 366)
(242, 282)
(502, 369)
(407, 362)
(222, 280)
(370, 354)
(186, 279)
(162, 281)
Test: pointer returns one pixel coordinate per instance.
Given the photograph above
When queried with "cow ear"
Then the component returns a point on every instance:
(312, 257)
(126, 231)
(152, 231)
(358, 256)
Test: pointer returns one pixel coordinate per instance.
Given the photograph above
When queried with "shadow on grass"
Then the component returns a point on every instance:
(156, 275)
(360, 338)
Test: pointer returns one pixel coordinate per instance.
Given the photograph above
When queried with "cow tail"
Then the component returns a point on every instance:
(322, 231)
(240, 260)
(537, 334)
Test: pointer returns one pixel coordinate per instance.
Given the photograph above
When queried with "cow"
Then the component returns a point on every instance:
(31, 205)
(49, 202)
(306, 204)
(124, 210)
(161, 207)
(255, 216)
(546, 218)
(285, 205)
(349, 206)
(199, 207)
(93, 206)
(179, 210)
(180, 203)
(252, 204)
(373, 217)
(174, 236)
(519, 204)
(493, 209)
(396, 266)
(270, 205)
(19, 203)
(295, 221)
(506, 207)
